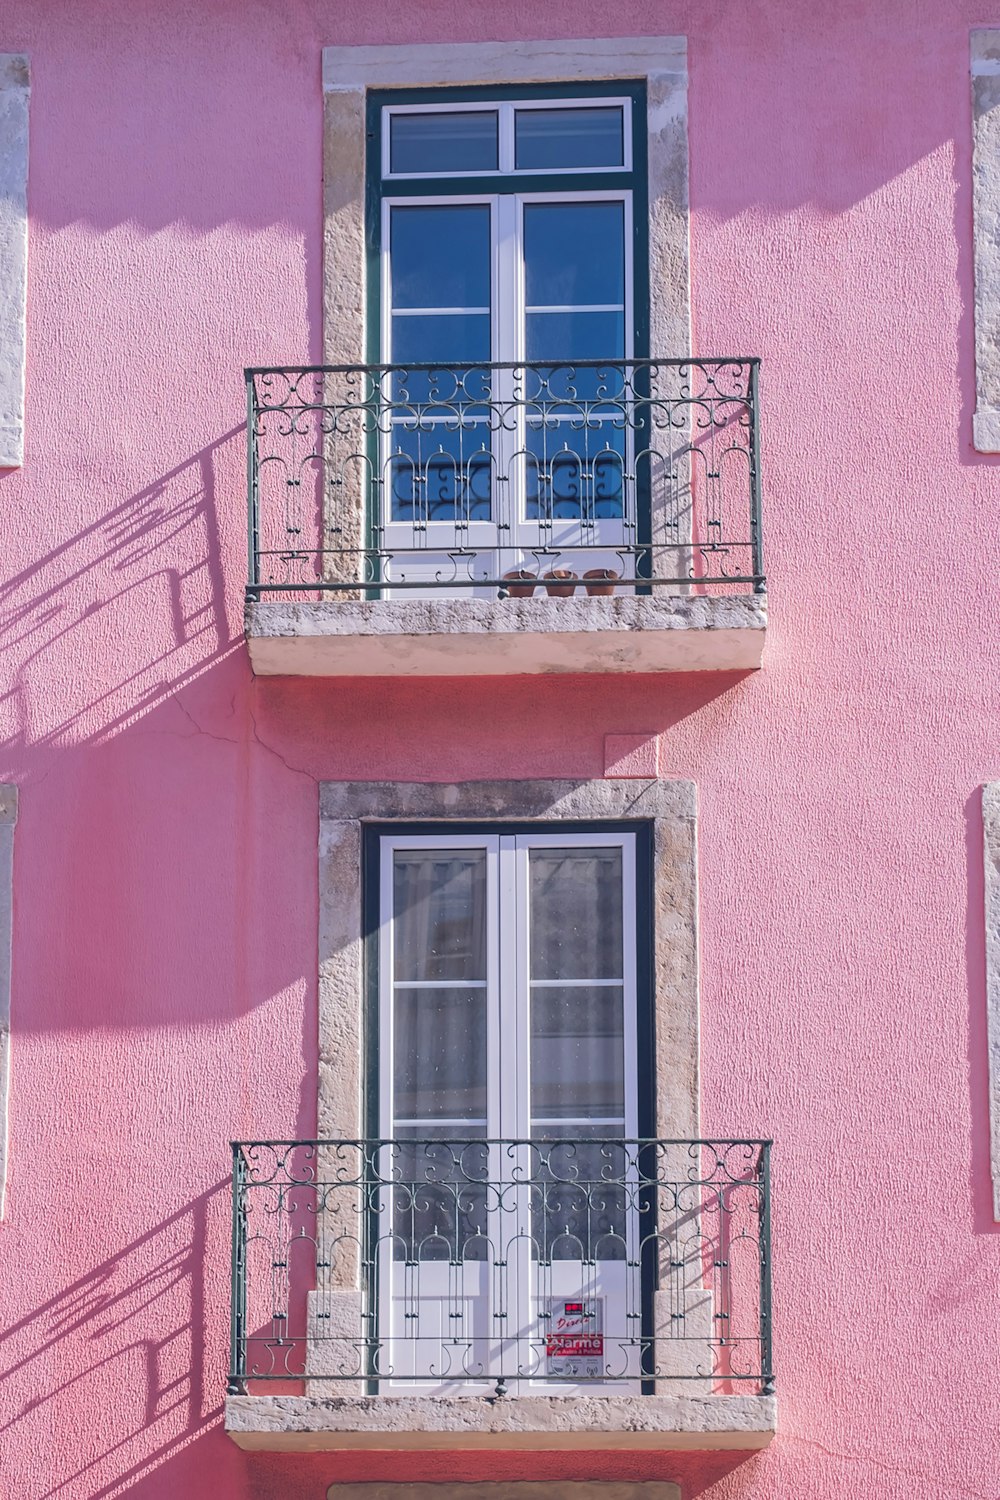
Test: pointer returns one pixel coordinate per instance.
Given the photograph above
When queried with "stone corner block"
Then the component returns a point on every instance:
(986, 430)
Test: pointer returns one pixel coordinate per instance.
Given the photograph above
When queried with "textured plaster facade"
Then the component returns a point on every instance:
(165, 995)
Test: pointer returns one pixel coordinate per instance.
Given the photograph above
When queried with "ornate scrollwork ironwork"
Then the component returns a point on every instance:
(463, 476)
(680, 1228)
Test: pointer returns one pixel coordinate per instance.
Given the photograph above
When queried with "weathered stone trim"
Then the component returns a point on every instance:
(991, 867)
(348, 72)
(531, 1489)
(14, 91)
(671, 808)
(455, 637)
(524, 1423)
(985, 48)
(8, 818)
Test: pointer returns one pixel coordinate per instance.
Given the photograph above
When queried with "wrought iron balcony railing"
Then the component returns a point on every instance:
(464, 1266)
(376, 481)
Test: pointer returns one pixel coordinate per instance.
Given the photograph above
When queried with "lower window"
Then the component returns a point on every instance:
(506, 1211)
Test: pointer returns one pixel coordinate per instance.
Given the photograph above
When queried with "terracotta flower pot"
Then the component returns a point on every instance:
(600, 582)
(520, 583)
(560, 583)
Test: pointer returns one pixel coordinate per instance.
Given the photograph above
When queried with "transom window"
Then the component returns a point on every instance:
(506, 239)
(573, 135)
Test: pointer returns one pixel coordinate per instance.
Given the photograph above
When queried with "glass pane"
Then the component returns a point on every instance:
(575, 470)
(440, 1054)
(574, 254)
(580, 1198)
(451, 339)
(440, 255)
(437, 472)
(577, 1053)
(453, 141)
(574, 335)
(439, 906)
(569, 137)
(439, 1196)
(576, 913)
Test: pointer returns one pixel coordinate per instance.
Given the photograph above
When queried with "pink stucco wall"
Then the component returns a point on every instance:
(165, 941)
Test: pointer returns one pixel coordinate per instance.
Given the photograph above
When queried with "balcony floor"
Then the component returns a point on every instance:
(466, 637)
(527, 1423)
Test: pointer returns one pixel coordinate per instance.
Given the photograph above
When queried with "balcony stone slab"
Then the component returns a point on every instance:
(673, 1423)
(463, 637)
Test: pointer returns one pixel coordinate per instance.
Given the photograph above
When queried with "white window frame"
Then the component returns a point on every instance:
(505, 111)
(508, 919)
(508, 313)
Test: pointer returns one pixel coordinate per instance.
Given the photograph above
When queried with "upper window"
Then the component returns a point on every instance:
(510, 243)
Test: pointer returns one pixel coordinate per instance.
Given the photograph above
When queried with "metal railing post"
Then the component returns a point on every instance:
(756, 530)
(766, 1343)
(237, 1384)
(253, 494)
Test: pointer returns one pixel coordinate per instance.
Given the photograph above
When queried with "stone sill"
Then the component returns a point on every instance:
(306, 1424)
(451, 637)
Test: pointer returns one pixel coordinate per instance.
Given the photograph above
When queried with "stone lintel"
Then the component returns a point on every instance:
(506, 637)
(509, 1423)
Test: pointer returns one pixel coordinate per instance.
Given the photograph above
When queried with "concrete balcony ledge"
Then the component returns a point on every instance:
(463, 637)
(670, 1423)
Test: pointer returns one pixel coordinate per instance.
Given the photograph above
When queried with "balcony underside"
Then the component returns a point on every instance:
(511, 1423)
(462, 637)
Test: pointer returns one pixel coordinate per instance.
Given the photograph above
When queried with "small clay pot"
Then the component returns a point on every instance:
(600, 582)
(560, 583)
(520, 583)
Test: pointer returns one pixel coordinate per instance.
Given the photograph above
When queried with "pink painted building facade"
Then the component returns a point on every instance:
(543, 915)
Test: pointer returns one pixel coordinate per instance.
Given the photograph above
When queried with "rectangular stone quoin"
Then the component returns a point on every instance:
(985, 68)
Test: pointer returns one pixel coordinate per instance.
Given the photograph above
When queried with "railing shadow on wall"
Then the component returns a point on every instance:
(159, 553)
(139, 1330)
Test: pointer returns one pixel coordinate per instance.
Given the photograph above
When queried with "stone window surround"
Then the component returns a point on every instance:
(985, 67)
(14, 94)
(349, 72)
(345, 807)
(991, 869)
(8, 820)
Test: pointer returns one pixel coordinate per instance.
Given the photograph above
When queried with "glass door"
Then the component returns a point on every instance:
(506, 250)
(507, 1065)
(574, 487)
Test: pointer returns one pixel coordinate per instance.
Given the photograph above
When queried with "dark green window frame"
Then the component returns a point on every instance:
(634, 180)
